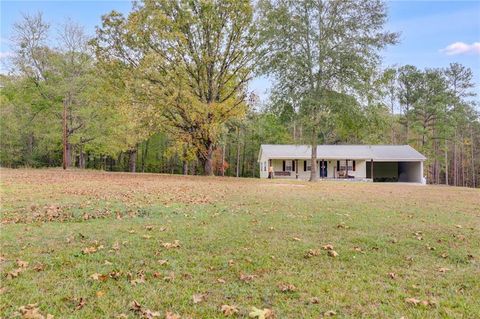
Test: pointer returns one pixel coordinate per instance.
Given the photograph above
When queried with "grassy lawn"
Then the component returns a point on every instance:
(183, 247)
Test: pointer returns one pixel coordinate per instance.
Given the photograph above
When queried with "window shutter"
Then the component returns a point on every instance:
(338, 166)
(304, 166)
(284, 166)
(293, 165)
(353, 166)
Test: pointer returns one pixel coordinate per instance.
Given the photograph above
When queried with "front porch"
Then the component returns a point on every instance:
(343, 169)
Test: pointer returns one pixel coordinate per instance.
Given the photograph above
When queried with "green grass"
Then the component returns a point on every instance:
(228, 227)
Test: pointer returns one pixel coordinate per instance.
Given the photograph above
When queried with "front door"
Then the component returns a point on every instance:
(323, 168)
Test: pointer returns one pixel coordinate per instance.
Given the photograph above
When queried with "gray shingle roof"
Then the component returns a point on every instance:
(375, 152)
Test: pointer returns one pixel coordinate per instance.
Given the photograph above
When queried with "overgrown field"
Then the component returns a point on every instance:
(115, 245)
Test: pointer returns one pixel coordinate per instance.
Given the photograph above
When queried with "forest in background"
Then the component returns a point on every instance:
(165, 89)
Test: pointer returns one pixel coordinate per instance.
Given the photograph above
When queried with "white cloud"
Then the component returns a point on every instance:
(462, 48)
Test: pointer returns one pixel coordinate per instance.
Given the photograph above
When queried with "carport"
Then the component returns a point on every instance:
(393, 171)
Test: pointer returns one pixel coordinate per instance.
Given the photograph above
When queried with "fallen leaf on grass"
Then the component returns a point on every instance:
(329, 313)
(81, 303)
(416, 302)
(228, 310)
(136, 281)
(332, 253)
(89, 250)
(116, 246)
(261, 314)
(392, 275)
(114, 275)
(197, 298)
(39, 267)
(443, 269)
(418, 235)
(100, 293)
(327, 247)
(311, 253)
(99, 277)
(31, 311)
(143, 313)
(314, 300)
(247, 278)
(287, 288)
(21, 263)
(444, 255)
(171, 315)
(14, 273)
(221, 281)
(175, 244)
(149, 227)
(146, 236)
(170, 277)
(412, 301)
(162, 261)
(296, 239)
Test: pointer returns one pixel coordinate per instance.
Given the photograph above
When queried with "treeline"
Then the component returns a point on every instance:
(165, 89)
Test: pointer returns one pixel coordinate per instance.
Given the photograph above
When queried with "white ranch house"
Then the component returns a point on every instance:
(380, 163)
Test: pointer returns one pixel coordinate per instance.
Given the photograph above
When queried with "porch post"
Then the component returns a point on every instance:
(296, 169)
(371, 168)
(346, 168)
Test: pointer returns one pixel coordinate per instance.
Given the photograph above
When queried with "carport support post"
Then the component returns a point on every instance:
(371, 169)
(346, 168)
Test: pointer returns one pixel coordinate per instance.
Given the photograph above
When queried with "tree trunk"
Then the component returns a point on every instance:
(208, 165)
(446, 163)
(313, 164)
(185, 167)
(132, 160)
(223, 161)
(455, 180)
(237, 166)
(66, 155)
(81, 159)
(474, 182)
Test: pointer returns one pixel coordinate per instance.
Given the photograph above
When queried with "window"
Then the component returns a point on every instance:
(309, 166)
(288, 166)
(342, 165)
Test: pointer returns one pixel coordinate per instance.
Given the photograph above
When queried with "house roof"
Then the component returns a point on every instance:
(383, 153)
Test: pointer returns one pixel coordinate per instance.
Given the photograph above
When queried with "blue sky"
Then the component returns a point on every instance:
(433, 33)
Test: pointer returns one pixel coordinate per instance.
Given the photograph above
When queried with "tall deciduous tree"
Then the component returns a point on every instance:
(316, 47)
(194, 60)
